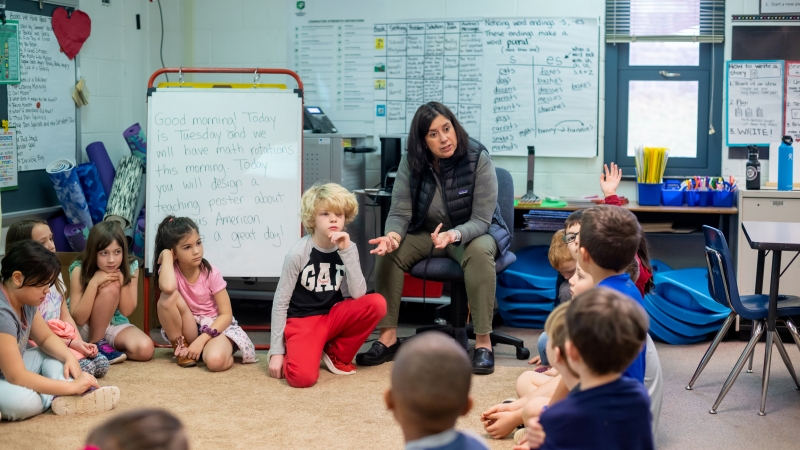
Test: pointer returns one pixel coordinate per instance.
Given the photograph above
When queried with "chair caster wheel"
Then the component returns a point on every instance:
(712, 411)
(688, 388)
(523, 353)
(762, 414)
(749, 370)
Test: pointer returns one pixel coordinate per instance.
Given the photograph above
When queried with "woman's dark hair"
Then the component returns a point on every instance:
(418, 154)
(141, 429)
(38, 265)
(22, 230)
(643, 252)
(171, 231)
(100, 237)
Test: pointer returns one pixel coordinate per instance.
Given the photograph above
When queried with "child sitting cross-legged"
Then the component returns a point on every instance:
(54, 309)
(194, 307)
(427, 399)
(606, 331)
(536, 390)
(321, 307)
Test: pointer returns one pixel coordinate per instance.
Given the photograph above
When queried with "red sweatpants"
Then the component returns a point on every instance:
(345, 327)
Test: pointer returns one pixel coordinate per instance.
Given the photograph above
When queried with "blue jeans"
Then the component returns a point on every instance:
(17, 402)
(541, 344)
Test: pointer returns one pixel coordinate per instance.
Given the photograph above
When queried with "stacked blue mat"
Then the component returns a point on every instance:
(526, 290)
(681, 309)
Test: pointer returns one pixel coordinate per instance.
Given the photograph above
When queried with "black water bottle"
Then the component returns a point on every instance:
(753, 169)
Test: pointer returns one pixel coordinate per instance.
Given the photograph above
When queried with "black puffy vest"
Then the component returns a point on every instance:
(458, 177)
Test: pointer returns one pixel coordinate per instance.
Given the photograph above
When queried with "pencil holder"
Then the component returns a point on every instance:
(649, 194)
(671, 195)
(722, 199)
(697, 198)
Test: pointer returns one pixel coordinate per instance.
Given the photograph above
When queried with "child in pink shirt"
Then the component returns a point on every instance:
(194, 307)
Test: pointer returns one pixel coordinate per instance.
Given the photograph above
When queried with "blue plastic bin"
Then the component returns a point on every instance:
(697, 198)
(653, 304)
(722, 199)
(672, 197)
(649, 194)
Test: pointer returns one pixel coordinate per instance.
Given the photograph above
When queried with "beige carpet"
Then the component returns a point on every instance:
(245, 409)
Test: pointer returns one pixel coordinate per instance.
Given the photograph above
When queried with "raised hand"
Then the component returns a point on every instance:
(610, 179)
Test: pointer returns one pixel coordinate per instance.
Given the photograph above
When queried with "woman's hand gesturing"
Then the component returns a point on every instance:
(385, 244)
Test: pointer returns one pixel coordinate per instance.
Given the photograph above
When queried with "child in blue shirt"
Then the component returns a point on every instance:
(610, 236)
(606, 332)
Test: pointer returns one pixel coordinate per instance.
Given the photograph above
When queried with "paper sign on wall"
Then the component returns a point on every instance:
(41, 106)
(792, 99)
(755, 102)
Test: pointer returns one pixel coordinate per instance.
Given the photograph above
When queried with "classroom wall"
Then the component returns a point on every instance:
(116, 62)
(254, 33)
(736, 167)
(118, 59)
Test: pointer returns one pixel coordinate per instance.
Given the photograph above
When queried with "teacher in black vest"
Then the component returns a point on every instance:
(444, 202)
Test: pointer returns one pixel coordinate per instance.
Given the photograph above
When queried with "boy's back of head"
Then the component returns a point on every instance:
(431, 380)
(610, 235)
(607, 328)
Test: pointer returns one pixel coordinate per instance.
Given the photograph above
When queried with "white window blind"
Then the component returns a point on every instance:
(665, 20)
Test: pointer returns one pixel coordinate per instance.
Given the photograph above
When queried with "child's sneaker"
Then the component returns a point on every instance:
(113, 356)
(336, 366)
(100, 366)
(91, 401)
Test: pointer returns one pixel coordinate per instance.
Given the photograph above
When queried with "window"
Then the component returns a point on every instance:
(664, 61)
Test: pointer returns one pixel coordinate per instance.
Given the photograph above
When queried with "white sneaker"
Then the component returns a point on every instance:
(332, 367)
(98, 400)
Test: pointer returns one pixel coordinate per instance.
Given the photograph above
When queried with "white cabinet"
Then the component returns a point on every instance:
(766, 206)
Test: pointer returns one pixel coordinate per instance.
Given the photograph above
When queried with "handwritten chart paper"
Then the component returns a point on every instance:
(540, 86)
(420, 62)
(755, 102)
(792, 98)
(230, 161)
(41, 106)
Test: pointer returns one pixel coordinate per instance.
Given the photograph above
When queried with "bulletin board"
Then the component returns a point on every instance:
(35, 191)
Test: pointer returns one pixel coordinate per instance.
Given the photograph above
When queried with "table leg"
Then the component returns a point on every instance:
(774, 282)
(762, 254)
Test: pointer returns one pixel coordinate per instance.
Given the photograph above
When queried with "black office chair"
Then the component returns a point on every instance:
(446, 270)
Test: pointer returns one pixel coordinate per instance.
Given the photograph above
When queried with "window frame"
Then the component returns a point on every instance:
(618, 72)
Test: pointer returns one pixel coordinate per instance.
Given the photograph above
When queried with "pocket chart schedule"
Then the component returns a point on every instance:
(420, 62)
(333, 57)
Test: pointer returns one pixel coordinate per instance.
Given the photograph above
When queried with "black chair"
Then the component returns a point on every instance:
(446, 270)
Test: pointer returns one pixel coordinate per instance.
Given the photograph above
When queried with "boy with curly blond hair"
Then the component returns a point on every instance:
(320, 310)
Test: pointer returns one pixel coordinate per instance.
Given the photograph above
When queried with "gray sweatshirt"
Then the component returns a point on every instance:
(308, 281)
(483, 202)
